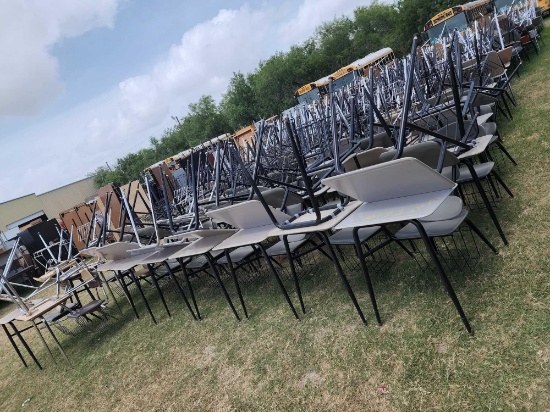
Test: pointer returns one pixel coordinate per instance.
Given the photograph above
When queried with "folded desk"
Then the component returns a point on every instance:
(254, 226)
(396, 191)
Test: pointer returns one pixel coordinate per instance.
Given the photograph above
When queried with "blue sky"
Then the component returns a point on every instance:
(84, 82)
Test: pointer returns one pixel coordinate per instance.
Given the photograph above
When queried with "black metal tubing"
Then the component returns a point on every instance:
(407, 99)
(157, 287)
(361, 257)
(120, 278)
(324, 238)
(235, 281)
(212, 265)
(166, 201)
(180, 290)
(443, 277)
(455, 90)
(140, 290)
(279, 281)
(290, 258)
(486, 201)
(91, 226)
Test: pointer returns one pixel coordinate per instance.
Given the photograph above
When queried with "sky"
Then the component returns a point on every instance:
(85, 82)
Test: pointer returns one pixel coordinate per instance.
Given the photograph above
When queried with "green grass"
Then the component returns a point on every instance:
(328, 360)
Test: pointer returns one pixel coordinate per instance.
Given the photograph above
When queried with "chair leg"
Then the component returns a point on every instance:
(126, 292)
(480, 234)
(104, 280)
(324, 237)
(140, 290)
(58, 344)
(279, 282)
(159, 291)
(293, 273)
(486, 201)
(190, 287)
(361, 257)
(27, 348)
(501, 182)
(503, 149)
(180, 289)
(442, 275)
(212, 265)
(10, 338)
(236, 282)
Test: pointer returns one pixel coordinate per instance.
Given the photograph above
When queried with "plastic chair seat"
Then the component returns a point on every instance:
(90, 307)
(481, 169)
(433, 229)
(345, 236)
(279, 248)
(238, 255)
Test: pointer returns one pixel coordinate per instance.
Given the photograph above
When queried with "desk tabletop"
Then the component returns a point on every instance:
(43, 308)
(245, 237)
(204, 244)
(330, 224)
(395, 210)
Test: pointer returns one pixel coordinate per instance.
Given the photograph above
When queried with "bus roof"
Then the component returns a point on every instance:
(362, 62)
(446, 14)
(323, 81)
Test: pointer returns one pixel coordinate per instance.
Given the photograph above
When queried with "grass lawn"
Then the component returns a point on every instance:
(422, 355)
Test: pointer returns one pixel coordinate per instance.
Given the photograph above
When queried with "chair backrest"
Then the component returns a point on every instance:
(427, 152)
(363, 159)
(495, 66)
(247, 215)
(505, 55)
(482, 99)
(380, 140)
(469, 63)
(394, 179)
(452, 130)
(274, 197)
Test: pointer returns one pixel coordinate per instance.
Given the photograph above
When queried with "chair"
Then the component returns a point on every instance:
(73, 318)
(406, 190)
(431, 153)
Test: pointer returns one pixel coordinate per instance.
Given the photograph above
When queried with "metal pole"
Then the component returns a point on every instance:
(130, 215)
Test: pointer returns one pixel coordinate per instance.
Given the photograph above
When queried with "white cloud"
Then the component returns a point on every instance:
(28, 29)
(209, 53)
(313, 13)
(122, 120)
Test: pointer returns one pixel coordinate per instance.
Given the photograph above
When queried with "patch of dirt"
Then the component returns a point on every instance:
(312, 379)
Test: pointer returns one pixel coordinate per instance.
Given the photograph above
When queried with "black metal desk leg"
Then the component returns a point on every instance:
(293, 273)
(57, 343)
(279, 282)
(30, 352)
(43, 340)
(8, 334)
(345, 281)
(222, 286)
(361, 257)
(180, 290)
(442, 275)
(236, 282)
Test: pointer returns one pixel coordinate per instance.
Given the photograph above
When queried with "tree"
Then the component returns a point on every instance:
(376, 27)
(270, 89)
(239, 105)
(204, 121)
(414, 14)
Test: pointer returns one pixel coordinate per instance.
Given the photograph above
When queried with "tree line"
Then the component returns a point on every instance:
(270, 88)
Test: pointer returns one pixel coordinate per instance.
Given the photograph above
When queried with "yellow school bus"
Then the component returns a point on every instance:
(458, 17)
(345, 75)
(544, 5)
